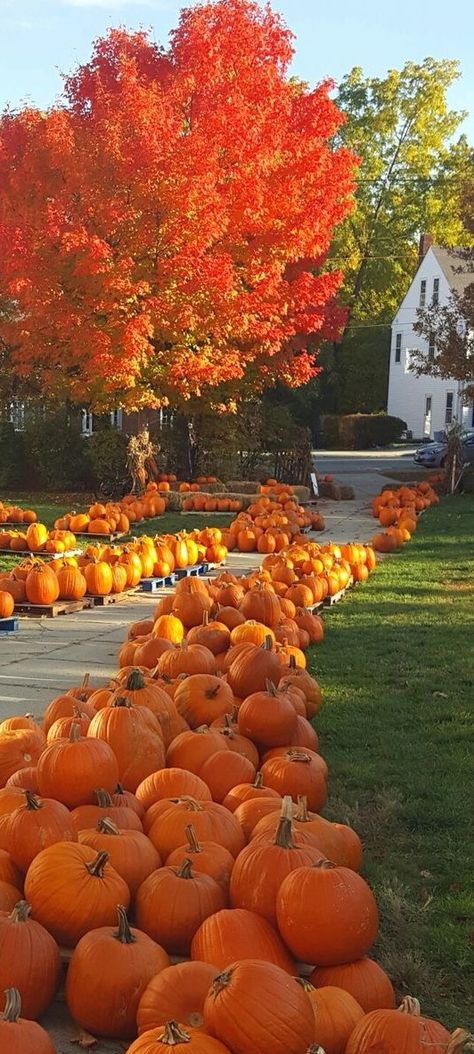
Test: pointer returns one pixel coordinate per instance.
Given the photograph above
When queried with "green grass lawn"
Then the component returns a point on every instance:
(397, 669)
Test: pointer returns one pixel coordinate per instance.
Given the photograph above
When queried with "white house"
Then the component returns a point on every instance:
(427, 404)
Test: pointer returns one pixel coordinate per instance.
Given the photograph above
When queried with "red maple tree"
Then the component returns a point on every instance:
(163, 228)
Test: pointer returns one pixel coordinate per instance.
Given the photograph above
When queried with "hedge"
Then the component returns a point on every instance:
(360, 431)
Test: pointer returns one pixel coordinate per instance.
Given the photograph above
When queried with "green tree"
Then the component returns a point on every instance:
(409, 182)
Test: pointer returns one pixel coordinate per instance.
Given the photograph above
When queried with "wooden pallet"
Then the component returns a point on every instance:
(9, 625)
(111, 598)
(60, 607)
(152, 585)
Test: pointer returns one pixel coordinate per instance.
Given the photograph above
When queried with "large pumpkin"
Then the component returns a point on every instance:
(190, 897)
(336, 1013)
(202, 697)
(236, 933)
(19, 749)
(176, 1039)
(72, 889)
(136, 742)
(72, 584)
(402, 1031)
(268, 718)
(130, 852)
(39, 822)
(177, 993)
(41, 585)
(364, 979)
(260, 868)
(253, 1000)
(326, 914)
(29, 959)
(208, 858)
(71, 769)
(121, 962)
(171, 783)
(252, 667)
(167, 821)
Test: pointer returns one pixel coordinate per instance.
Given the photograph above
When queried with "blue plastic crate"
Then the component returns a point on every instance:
(152, 585)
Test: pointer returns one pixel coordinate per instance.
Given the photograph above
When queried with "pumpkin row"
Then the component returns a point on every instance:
(37, 539)
(14, 514)
(397, 510)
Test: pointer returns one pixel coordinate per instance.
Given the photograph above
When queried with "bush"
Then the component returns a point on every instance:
(57, 454)
(361, 431)
(13, 460)
(107, 452)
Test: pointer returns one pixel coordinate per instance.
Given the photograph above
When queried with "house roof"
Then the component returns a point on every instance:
(457, 266)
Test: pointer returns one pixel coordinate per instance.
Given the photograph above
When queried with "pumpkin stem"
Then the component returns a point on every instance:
(75, 732)
(271, 690)
(211, 693)
(409, 1005)
(268, 643)
(103, 798)
(21, 911)
(122, 701)
(292, 663)
(135, 680)
(298, 755)
(96, 868)
(186, 869)
(120, 789)
(460, 1041)
(124, 933)
(307, 987)
(33, 803)
(191, 803)
(315, 1049)
(82, 693)
(229, 720)
(201, 730)
(194, 845)
(302, 810)
(205, 618)
(173, 1035)
(258, 781)
(12, 1005)
(327, 865)
(107, 826)
(221, 981)
(284, 833)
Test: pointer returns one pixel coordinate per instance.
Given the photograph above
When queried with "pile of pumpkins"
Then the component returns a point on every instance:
(102, 570)
(13, 514)
(38, 539)
(272, 522)
(166, 830)
(397, 511)
(115, 517)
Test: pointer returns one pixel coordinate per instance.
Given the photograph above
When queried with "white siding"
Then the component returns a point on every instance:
(407, 393)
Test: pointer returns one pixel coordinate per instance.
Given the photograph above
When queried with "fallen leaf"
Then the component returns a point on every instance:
(439, 695)
(84, 1039)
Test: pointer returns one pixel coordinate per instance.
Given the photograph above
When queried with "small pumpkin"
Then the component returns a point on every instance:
(175, 1037)
(72, 890)
(29, 959)
(177, 992)
(190, 897)
(18, 1035)
(121, 961)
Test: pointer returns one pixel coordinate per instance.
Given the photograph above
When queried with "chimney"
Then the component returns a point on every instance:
(426, 240)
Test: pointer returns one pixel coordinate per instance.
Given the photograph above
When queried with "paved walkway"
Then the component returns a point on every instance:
(47, 656)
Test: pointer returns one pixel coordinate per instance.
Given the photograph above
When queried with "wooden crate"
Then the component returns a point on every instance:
(60, 607)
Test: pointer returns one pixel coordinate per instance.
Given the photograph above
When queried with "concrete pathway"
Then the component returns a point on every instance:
(47, 656)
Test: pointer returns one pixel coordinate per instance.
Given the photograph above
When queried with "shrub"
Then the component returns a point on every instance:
(13, 459)
(107, 451)
(360, 431)
(56, 452)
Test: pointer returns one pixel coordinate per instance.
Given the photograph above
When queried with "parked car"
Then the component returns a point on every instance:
(433, 455)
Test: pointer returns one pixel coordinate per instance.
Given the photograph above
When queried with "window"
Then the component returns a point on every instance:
(17, 415)
(423, 292)
(448, 417)
(435, 290)
(398, 347)
(87, 423)
(431, 348)
(116, 419)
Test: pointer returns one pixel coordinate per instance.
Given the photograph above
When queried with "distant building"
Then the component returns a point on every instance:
(427, 404)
